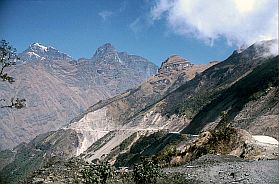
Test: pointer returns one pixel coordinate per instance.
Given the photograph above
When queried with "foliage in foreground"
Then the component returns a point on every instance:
(8, 58)
(146, 172)
(98, 173)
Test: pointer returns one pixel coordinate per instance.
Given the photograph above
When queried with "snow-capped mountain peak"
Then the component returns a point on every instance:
(39, 46)
(38, 51)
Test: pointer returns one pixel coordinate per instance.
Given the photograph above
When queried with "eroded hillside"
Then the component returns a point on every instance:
(161, 114)
(57, 88)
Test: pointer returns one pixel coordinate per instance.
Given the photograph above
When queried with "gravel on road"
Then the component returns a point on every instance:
(229, 169)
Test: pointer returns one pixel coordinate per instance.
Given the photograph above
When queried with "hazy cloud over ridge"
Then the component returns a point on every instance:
(106, 14)
(239, 21)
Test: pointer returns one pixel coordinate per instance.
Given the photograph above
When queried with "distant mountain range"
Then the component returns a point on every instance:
(180, 99)
(58, 88)
(37, 52)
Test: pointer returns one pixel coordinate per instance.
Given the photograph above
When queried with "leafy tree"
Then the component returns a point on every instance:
(98, 173)
(146, 172)
(8, 58)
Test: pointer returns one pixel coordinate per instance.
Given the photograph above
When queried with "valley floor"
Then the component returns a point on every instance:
(229, 169)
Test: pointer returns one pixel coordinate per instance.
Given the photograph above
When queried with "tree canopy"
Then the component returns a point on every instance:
(8, 58)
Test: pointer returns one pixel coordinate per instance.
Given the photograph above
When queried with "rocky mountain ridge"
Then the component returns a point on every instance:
(110, 118)
(57, 88)
(114, 114)
(37, 51)
(158, 103)
(180, 99)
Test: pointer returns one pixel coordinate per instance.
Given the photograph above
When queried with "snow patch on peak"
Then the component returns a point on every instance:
(30, 54)
(118, 59)
(39, 46)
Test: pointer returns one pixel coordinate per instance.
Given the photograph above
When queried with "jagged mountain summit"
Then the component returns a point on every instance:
(176, 97)
(181, 98)
(119, 117)
(37, 51)
(119, 112)
(58, 88)
(106, 53)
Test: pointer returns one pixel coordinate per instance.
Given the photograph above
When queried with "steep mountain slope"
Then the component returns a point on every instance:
(172, 149)
(118, 112)
(252, 103)
(170, 101)
(57, 88)
(222, 84)
(106, 124)
(246, 78)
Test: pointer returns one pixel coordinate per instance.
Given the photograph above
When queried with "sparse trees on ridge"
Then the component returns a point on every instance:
(8, 58)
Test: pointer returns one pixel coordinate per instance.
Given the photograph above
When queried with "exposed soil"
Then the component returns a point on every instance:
(229, 169)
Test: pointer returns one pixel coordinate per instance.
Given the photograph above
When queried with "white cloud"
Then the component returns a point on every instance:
(136, 25)
(239, 21)
(140, 24)
(105, 14)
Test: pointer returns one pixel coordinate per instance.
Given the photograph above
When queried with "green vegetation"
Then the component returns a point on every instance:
(144, 146)
(251, 87)
(8, 58)
(222, 139)
(219, 141)
(160, 145)
(146, 172)
(98, 173)
(6, 156)
(145, 141)
(165, 156)
(25, 163)
(168, 148)
(195, 103)
(123, 146)
(101, 142)
(127, 141)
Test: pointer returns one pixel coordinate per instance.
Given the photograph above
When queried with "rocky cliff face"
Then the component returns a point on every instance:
(250, 100)
(244, 78)
(109, 122)
(129, 111)
(57, 88)
(232, 86)
(181, 96)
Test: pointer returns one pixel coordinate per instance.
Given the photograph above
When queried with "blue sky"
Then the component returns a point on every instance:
(142, 27)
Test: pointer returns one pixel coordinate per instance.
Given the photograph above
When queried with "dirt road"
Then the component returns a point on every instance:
(229, 169)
